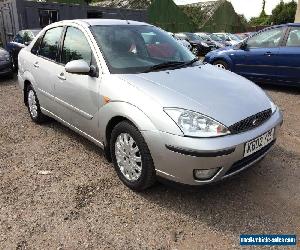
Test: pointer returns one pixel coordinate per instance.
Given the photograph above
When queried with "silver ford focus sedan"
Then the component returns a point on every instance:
(147, 101)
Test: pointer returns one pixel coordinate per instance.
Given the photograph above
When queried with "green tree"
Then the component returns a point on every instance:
(244, 20)
(263, 18)
(284, 13)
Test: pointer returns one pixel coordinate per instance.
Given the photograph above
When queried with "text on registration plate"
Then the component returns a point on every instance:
(258, 143)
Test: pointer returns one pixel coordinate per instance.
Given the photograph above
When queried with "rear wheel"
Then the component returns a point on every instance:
(131, 157)
(33, 105)
(221, 64)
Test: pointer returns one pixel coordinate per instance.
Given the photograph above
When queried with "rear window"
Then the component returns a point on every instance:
(50, 43)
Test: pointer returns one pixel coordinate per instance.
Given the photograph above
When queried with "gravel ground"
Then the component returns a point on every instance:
(57, 191)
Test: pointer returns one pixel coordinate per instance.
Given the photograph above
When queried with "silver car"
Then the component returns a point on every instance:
(147, 101)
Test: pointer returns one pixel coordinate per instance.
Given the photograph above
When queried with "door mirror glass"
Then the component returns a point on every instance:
(78, 67)
(242, 46)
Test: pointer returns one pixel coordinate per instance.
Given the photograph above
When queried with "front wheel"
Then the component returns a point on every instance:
(131, 157)
(221, 64)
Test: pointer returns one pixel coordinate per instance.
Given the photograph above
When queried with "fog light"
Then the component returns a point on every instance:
(205, 174)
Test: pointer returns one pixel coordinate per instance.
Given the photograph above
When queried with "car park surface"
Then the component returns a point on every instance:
(270, 56)
(156, 124)
(58, 191)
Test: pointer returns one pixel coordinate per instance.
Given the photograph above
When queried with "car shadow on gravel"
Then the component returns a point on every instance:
(8, 80)
(238, 205)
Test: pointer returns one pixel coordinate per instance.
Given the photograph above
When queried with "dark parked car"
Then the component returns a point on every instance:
(269, 56)
(199, 46)
(5, 63)
(208, 40)
(21, 40)
(215, 38)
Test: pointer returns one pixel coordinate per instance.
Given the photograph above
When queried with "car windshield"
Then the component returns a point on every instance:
(221, 36)
(138, 48)
(234, 37)
(204, 37)
(193, 37)
(215, 38)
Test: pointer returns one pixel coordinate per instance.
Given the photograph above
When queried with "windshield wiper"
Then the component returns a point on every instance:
(164, 65)
(187, 63)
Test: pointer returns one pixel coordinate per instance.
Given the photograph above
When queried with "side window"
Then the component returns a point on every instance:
(294, 37)
(267, 39)
(18, 38)
(36, 47)
(75, 47)
(50, 43)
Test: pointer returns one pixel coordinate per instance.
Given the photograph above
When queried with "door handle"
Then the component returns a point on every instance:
(36, 65)
(61, 76)
(268, 53)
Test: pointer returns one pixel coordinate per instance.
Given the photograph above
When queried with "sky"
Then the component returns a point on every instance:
(250, 8)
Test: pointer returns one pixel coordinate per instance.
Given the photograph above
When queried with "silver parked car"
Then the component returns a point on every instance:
(147, 101)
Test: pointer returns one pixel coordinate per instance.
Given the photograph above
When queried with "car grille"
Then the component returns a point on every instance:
(248, 160)
(250, 122)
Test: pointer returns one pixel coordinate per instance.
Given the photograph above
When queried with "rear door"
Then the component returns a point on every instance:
(289, 58)
(45, 64)
(261, 62)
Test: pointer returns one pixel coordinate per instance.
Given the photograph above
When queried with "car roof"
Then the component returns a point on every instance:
(97, 22)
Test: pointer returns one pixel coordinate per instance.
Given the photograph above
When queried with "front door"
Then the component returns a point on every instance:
(262, 55)
(77, 94)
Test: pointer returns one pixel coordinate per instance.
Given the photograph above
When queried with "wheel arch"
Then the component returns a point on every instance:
(115, 112)
(28, 80)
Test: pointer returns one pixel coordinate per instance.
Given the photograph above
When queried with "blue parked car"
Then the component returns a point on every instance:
(20, 41)
(269, 56)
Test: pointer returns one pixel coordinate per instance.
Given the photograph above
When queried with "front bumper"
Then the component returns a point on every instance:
(226, 153)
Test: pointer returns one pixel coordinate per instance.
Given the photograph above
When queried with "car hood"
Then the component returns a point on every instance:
(214, 92)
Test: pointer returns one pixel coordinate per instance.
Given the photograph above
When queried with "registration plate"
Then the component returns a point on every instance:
(258, 143)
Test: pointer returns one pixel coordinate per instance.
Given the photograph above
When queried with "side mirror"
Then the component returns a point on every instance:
(81, 67)
(243, 46)
(26, 43)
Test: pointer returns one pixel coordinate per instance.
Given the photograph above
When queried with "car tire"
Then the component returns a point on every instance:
(33, 106)
(221, 64)
(131, 157)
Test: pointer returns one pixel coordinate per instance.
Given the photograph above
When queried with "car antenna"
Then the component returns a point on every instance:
(122, 15)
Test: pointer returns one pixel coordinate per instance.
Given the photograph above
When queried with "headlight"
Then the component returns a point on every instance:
(195, 124)
(204, 44)
(273, 105)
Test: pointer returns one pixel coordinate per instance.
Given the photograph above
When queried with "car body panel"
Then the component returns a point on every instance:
(172, 89)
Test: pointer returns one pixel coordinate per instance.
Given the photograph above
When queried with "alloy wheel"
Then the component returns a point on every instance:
(128, 157)
(32, 104)
(219, 65)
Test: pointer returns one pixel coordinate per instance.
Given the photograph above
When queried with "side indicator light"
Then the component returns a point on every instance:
(106, 99)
